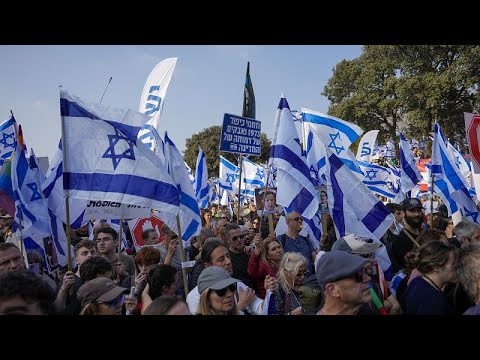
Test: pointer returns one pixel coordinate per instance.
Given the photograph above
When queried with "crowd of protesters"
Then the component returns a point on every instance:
(241, 268)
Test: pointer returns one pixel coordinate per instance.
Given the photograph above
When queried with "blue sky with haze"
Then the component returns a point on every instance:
(208, 82)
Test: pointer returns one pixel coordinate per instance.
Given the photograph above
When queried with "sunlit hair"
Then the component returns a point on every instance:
(288, 269)
(467, 268)
(264, 247)
(431, 254)
(147, 255)
(205, 306)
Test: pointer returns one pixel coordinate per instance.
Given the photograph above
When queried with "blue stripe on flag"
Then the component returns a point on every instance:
(191, 229)
(126, 184)
(22, 168)
(282, 152)
(69, 108)
(337, 211)
(316, 119)
(302, 198)
(376, 216)
(407, 168)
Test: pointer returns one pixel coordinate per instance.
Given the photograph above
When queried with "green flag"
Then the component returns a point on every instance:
(248, 96)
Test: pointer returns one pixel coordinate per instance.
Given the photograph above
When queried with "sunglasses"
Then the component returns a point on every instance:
(225, 217)
(114, 303)
(298, 218)
(357, 276)
(223, 292)
(235, 238)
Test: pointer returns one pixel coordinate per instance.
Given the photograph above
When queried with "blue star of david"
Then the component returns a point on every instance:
(35, 193)
(110, 152)
(260, 174)
(458, 162)
(4, 142)
(230, 178)
(332, 144)
(473, 215)
(370, 174)
(313, 173)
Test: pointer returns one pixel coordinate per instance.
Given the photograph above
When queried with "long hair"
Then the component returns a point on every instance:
(431, 254)
(205, 307)
(264, 248)
(288, 269)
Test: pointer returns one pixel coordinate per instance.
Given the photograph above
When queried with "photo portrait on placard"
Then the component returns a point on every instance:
(322, 198)
(270, 200)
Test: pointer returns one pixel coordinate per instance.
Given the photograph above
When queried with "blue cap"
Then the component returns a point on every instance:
(337, 265)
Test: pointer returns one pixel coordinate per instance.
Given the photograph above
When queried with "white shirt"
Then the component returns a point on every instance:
(257, 307)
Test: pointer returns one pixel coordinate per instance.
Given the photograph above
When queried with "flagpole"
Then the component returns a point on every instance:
(65, 192)
(120, 231)
(432, 182)
(109, 81)
(182, 256)
(263, 200)
(239, 188)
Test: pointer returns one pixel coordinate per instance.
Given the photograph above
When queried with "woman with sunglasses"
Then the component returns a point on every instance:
(217, 289)
(424, 295)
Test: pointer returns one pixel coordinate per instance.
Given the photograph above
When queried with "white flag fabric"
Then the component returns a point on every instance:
(366, 146)
(315, 158)
(30, 205)
(8, 141)
(153, 97)
(355, 209)
(189, 213)
(443, 167)
(295, 189)
(377, 179)
(105, 162)
(410, 174)
(228, 174)
(202, 186)
(335, 133)
(52, 189)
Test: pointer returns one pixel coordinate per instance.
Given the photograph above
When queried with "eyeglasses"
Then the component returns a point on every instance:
(225, 217)
(223, 292)
(298, 218)
(115, 302)
(301, 274)
(235, 238)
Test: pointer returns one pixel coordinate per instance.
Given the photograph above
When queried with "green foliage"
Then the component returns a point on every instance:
(406, 88)
(209, 140)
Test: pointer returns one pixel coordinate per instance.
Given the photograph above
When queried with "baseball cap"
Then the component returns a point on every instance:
(215, 278)
(354, 244)
(337, 265)
(411, 203)
(100, 290)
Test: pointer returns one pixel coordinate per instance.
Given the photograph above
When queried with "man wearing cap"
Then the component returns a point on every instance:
(101, 296)
(344, 282)
(405, 241)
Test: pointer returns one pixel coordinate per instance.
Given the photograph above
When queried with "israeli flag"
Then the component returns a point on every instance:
(355, 209)
(336, 134)
(295, 189)
(460, 161)
(189, 213)
(30, 206)
(377, 179)
(202, 186)
(315, 158)
(443, 167)
(410, 174)
(395, 183)
(390, 150)
(8, 141)
(52, 189)
(105, 162)
(228, 174)
(312, 229)
(190, 173)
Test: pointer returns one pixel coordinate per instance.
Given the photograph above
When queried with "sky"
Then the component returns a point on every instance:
(207, 82)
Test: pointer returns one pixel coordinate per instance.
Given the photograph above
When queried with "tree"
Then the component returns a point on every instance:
(406, 88)
(209, 140)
